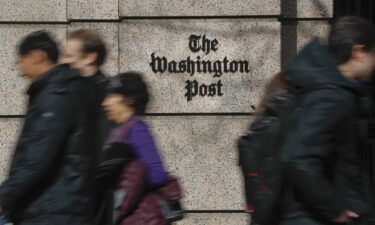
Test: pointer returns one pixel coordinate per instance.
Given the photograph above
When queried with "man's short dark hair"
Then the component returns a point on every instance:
(91, 43)
(132, 86)
(39, 40)
(347, 32)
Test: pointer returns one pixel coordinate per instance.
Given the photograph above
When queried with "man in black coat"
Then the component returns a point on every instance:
(49, 174)
(321, 154)
(85, 51)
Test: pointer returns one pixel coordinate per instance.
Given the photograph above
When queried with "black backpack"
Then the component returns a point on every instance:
(107, 175)
(115, 157)
(260, 153)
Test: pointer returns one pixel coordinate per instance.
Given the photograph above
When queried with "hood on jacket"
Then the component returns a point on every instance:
(315, 65)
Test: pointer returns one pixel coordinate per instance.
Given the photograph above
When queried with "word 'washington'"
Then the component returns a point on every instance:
(217, 68)
(199, 43)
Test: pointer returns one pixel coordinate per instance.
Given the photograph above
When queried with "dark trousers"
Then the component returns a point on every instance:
(312, 221)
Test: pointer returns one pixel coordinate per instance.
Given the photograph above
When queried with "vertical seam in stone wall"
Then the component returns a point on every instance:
(118, 48)
(66, 32)
(288, 32)
(118, 9)
(66, 11)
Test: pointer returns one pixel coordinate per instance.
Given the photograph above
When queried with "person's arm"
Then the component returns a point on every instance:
(308, 147)
(143, 144)
(37, 150)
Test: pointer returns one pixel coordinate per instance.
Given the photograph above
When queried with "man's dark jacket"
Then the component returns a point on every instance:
(321, 154)
(50, 171)
(94, 90)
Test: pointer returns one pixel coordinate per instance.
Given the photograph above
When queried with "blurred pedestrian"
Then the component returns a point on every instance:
(144, 180)
(321, 154)
(47, 182)
(86, 51)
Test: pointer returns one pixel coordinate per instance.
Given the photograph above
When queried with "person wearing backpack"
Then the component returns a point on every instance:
(301, 157)
(325, 182)
(142, 192)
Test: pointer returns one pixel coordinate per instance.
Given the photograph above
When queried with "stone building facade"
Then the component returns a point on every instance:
(206, 62)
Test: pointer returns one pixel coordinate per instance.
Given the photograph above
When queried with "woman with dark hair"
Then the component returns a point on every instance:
(144, 180)
(125, 103)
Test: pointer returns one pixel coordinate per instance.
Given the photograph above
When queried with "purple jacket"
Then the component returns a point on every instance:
(137, 135)
(143, 144)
